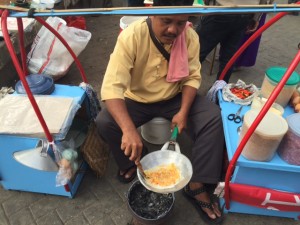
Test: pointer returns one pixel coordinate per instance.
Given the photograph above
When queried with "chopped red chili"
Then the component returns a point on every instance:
(241, 92)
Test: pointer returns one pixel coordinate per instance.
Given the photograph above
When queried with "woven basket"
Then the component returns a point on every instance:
(95, 151)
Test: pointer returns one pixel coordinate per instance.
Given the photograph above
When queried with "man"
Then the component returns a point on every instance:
(228, 31)
(137, 87)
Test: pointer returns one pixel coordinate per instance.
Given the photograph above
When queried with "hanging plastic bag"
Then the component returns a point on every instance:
(67, 161)
(49, 56)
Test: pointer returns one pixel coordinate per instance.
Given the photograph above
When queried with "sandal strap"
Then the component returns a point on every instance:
(194, 192)
(205, 205)
(198, 191)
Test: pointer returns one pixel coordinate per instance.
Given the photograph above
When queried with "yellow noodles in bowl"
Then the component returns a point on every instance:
(163, 175)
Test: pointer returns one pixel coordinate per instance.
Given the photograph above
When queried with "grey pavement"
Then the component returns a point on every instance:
(102, 201)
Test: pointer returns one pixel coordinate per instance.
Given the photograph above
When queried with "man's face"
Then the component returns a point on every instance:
(167, 28)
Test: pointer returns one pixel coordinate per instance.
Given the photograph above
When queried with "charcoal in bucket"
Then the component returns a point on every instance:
(148, 207)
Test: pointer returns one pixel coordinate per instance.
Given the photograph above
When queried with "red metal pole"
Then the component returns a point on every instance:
(22, 45)
(22, 76)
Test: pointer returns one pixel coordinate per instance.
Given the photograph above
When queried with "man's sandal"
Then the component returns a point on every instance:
(190, 195)
(123, 179)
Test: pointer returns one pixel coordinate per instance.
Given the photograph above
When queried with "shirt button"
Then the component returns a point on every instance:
(157, 67)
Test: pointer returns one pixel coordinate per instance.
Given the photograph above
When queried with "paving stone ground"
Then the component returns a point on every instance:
(102, 201)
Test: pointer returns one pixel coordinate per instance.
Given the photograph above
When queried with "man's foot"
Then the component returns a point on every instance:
(199, 197)
(126, 176)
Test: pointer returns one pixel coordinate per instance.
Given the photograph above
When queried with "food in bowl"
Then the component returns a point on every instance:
(241, 93)
(163, 175)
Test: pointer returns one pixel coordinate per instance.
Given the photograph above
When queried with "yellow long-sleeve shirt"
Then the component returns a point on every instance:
(138, 70)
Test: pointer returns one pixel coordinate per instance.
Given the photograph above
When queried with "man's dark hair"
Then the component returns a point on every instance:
(172, 2)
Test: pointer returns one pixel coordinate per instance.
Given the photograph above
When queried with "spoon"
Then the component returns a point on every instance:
(139, 165)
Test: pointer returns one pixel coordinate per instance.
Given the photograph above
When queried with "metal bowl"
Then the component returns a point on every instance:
(162, 157)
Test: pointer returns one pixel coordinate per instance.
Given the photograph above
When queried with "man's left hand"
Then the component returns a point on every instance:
(180, 120)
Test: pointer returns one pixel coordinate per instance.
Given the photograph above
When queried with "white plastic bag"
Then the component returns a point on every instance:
(48, 55)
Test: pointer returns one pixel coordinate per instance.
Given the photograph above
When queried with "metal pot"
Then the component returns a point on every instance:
(170, 153)
(136, 191)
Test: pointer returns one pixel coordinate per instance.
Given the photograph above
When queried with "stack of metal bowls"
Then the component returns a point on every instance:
(39, 84)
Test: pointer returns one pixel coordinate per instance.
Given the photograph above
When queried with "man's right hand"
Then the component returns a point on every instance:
(131, 142)
(132, 145)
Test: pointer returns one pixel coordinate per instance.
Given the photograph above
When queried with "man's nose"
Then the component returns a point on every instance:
(172, 29)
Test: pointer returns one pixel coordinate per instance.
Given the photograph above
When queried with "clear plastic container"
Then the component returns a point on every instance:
(258, 102)
(289, 148)
(264, 142)
(272, 78)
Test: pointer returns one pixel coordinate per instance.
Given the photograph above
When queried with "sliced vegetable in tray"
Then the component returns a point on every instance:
(241, 93)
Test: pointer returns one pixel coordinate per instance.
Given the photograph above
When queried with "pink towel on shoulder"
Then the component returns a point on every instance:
(178, 65)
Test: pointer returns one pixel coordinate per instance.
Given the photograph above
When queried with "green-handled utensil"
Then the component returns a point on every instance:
(172, 142)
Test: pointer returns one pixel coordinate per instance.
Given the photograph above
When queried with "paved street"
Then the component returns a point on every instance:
(102, 201)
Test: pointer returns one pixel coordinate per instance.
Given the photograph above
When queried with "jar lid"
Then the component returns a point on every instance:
(38, 83)
(276, 74)
(294, 123)
(272, 125)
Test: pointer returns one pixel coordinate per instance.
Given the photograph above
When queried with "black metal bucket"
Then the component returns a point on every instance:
(148, 207)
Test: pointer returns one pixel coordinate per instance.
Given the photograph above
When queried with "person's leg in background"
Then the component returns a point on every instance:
(248, 57)
(291, 2)
(209, 34)
(135, 3)
(230, 44)
(224, 29)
